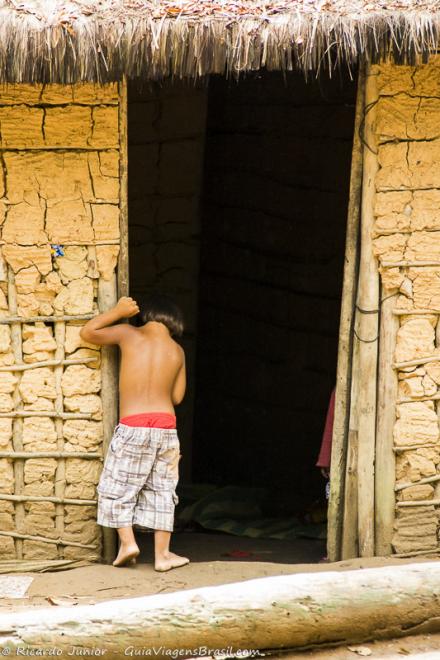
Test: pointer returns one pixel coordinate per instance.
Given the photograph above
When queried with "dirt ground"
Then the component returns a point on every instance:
(416, 647)
(217, 559)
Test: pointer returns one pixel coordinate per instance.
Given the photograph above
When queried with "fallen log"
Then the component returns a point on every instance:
(302, 610)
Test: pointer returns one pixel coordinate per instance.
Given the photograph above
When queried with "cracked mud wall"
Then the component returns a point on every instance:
(407, 244)
(59, 185)
(166, 133)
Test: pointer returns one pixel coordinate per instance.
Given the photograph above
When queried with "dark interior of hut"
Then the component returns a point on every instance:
(238, 196)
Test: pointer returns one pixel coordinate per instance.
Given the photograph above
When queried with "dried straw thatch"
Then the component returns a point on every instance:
(72, 40)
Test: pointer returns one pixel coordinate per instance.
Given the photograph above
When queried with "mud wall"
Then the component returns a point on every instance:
(166, 130)
(407, 243)
(59, 223)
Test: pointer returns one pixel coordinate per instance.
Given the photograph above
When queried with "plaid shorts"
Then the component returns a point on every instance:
(138, 481)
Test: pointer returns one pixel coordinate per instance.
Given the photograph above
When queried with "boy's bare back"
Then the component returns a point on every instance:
(152, 375)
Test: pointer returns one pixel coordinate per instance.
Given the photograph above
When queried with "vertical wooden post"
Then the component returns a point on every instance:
(17, 423)
(108, 293)
(60, 474)
(123, 272)
(385, 471)
(344, 368)
(368, 307)
(350, 547)
(107, 297)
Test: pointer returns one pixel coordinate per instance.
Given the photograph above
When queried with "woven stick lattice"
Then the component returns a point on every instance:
(18, 455)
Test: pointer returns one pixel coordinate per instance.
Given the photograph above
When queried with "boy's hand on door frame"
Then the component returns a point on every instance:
(126, 307)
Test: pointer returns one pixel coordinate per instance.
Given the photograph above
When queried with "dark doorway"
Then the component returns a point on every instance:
(274, 206)
(238, 195)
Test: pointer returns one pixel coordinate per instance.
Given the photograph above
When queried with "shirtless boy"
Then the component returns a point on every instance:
(140, 473)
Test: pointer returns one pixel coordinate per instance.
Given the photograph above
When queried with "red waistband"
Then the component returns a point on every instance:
(158, 420)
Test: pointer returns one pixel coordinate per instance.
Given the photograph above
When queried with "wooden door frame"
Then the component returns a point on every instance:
(108, 294)
(355, 415)
(362, 498)
(340, 440)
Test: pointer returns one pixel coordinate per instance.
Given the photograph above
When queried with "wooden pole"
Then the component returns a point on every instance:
(401, 448)
(416, 362)
(350, 547)
(385, 463)
(47, 363)
(405, 264)
(343, 377)
(368, 302)
(46, 539)
(298, 611)
(47, 319)
(60, 474)
(61, 147)
(50, 454)
(46, 413)
(123, 269)
(17, 425)
(407, 399)
(109, 241)
(418, 502)
(416, 312)
(9, 566)
(45, 498)
(417, 553)
(425, 480)
(107, 297)
(108, 293)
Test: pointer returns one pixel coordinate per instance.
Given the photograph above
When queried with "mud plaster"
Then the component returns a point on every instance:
(59, 181)
(407, 228)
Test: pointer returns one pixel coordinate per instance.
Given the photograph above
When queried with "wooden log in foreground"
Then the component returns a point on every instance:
(300, 610)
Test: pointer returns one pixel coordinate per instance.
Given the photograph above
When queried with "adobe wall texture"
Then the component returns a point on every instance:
(59, 183)
(407, 229)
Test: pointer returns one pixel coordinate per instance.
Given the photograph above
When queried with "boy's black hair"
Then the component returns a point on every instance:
(161, 308)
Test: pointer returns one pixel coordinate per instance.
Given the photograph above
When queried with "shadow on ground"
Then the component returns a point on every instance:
(205, 546)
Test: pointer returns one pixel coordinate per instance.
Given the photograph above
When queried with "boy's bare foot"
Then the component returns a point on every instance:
(126, 555)
(168, 561)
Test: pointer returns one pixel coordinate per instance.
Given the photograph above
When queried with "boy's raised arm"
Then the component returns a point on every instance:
(101, 331)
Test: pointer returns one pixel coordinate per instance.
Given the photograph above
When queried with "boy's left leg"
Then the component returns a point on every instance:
(157, 500)
(128, 548)
(164, 559)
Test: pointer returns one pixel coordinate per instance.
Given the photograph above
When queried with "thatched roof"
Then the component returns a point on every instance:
(66, 41)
